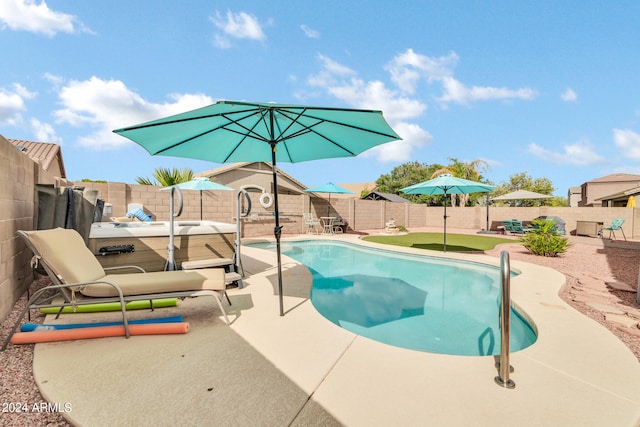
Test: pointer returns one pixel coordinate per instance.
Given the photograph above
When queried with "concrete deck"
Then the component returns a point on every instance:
(303, 370)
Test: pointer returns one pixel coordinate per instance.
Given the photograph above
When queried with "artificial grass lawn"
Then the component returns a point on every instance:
(434, 241)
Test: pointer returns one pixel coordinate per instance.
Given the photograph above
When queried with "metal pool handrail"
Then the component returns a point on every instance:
(505, 312)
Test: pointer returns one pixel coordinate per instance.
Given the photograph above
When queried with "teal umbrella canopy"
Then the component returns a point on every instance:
(329, 187)
(447, 184)
(230, 131)
(235, 131)
(202, 184)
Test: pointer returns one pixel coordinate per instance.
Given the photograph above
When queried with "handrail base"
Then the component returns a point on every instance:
(505, 384)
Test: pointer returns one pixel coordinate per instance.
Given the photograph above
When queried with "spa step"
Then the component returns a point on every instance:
(232, 277)
(206, 263)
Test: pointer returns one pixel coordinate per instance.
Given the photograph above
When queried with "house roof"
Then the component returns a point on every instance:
(375, 195)
(635, 191)
(45, 153)
(233, 166)
(617, 177)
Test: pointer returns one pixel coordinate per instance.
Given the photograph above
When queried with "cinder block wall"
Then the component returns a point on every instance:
(18, 176)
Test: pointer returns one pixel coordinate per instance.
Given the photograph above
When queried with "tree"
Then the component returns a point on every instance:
(522, 181)
(465, 170)
(405, 175)
(166, 177)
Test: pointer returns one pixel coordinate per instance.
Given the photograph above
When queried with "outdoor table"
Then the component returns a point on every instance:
(327, 223)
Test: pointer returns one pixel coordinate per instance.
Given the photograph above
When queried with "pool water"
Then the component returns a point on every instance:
(410, 301)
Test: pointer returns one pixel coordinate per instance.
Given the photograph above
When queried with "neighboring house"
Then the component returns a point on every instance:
(358, 188)
(594, 191)
(619, 199)
(48, 155)
(574, 195)
(375, 195)
(251, 175)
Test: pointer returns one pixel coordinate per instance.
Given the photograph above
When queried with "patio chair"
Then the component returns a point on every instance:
(508, 226)
(77, 278)
(518, 228)
(615, 225)
(338, 224)
(310, 222)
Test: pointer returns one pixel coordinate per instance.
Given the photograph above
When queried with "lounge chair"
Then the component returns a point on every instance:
(615, 225)
(518, 228)
(77, 278)
(310, 222)
(508, 226)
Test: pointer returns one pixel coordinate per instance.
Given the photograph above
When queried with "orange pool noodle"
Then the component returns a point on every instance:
(99, 332)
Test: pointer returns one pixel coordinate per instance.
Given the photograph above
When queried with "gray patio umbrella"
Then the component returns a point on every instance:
(447, 184)
(233, 131)
(329, 188)
(522, 195)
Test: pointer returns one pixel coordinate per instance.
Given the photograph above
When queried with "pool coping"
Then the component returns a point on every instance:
(577, 373)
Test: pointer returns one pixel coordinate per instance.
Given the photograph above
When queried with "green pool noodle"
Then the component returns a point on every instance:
(112, 306)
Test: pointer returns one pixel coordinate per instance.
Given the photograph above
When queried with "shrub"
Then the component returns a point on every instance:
(402, 229)
(543, 240)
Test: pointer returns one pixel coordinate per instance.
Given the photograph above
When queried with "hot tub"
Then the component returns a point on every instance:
(193, 240)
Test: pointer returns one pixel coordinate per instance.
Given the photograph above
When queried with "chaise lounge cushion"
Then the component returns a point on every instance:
(73, 262)
(67, 255)
(159, 282)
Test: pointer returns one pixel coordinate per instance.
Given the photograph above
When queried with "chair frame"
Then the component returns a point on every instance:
(310, 222)
(615, 225)
(43, 298)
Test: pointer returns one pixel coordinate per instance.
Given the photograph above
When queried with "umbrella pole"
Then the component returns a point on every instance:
(200, 205)
(445, 222)
(277, 231)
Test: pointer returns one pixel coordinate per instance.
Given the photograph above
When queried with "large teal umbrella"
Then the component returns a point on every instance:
(231, 131)
(447, 184)
(329, 188)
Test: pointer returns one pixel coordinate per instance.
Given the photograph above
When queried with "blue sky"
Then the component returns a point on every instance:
(544, 87)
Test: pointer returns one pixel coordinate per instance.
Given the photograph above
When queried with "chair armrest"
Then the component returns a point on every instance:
(121, 267)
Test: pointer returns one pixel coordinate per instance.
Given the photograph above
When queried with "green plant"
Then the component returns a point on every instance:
(402, 229)
(543, 239)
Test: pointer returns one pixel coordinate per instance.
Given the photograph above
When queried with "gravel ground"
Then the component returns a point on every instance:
(586, 266)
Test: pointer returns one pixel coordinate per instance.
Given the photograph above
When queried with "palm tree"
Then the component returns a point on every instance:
(466, 170)
(166, 178)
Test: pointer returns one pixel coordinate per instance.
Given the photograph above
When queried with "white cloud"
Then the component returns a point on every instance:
(569, 95)
(344, 84)
(12, 102)
(455, 91)
(580, 154)
(239, 25)
(413, 137)
(310, 32)
(409, 67)
(27, 15)
(628, 141)
(44, 132)
(104, 105)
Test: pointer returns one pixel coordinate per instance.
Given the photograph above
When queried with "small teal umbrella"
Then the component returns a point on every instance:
(237, 131)
(329, 188)
(202, 184)
(447, 184)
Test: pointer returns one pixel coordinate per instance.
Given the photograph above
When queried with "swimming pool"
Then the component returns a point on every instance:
(411, 301)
